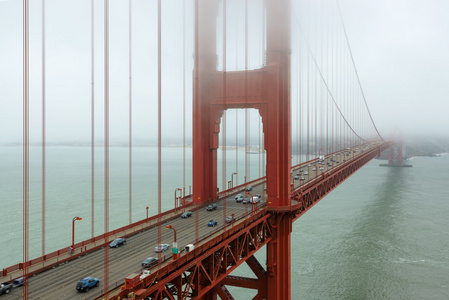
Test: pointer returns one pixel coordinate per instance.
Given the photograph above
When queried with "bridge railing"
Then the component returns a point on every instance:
(49, 260)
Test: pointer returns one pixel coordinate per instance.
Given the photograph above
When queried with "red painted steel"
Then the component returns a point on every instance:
(205, 266)
(197, 272)
(265, 89)
(396, 154)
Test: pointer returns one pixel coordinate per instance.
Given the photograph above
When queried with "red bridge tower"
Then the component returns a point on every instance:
(267, 90)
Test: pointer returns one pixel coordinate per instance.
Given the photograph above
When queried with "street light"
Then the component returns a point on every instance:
(176, 198)
(147, 213)
(73, 229)
(174, 249)
(232, 178)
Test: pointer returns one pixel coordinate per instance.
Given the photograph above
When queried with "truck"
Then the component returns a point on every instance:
(189, 247)
(5, 288)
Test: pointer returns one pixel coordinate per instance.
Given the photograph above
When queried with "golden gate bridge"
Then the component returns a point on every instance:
(288, 62)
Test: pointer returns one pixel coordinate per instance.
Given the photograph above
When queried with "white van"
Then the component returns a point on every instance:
(189, 247)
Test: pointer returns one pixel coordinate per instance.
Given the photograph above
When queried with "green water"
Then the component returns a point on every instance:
(382, 234)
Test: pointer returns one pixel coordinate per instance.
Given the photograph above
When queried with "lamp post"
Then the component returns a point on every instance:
(251, 199)
(73, 229)
(232, 178)
(229, 184)
(174, 249)
(147, 213)
(176, 198)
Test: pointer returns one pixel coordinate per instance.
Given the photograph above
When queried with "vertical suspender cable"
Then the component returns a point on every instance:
(316, 96)
(92, 121)
(159, 127)
(25, 145)
(314, 107)
(43, 128)
(247, 158)
(236, 111)
(106, 141)
(247, 162)
(196, 87)
(260, 133)
(264, 31)
(224, 113)
(130, 110)
(327, 94)
(184, 99)
(298, 110)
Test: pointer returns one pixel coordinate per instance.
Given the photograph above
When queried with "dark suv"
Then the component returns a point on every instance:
(211, 207)
(149, 262)
(117, 242)
(186, 215)
(5, 288)
(87, 283)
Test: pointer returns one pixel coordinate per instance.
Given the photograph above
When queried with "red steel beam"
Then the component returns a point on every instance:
(203, 268)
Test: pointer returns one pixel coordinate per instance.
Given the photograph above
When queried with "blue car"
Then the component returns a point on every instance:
(19, 281)
(87, 283)
(212, 223)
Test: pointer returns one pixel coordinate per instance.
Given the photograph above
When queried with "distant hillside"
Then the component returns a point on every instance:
(425, 146)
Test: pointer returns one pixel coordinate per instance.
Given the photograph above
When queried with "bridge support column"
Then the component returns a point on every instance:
(211, 295)
(279, 259)
(205, 142)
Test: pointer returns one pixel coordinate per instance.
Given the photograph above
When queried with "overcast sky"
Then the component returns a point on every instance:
(400, 49)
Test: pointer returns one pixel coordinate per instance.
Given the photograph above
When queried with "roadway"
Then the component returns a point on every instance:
(60, 282)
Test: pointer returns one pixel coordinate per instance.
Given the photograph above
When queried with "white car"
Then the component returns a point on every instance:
(161, 247)
(145, 273)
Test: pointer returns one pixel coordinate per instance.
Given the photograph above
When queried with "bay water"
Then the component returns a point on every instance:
(382, 234)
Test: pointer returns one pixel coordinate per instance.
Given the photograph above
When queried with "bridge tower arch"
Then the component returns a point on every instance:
(267, 90)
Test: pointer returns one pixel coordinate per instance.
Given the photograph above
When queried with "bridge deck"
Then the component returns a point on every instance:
(59, 282)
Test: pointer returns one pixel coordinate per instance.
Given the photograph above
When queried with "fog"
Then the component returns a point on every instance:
(399, 48)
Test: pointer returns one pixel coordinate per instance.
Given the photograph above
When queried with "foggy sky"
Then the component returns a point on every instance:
(399, 47)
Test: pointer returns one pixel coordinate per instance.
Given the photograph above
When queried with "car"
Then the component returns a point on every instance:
(306, 173)
(85, 284)
(161, 247)
(228, 219)
(212, 223)
(258, 195)
(254, 200)
(5, 288)
(19, 281)
(314, 169)
(250, 188)
(149, 262)
(296, 177)
(144, 274)
(239, 198)
(302, 178)
(186, 215)
(117, 242)
(211, 207)
(298, 173)
(265, 188)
